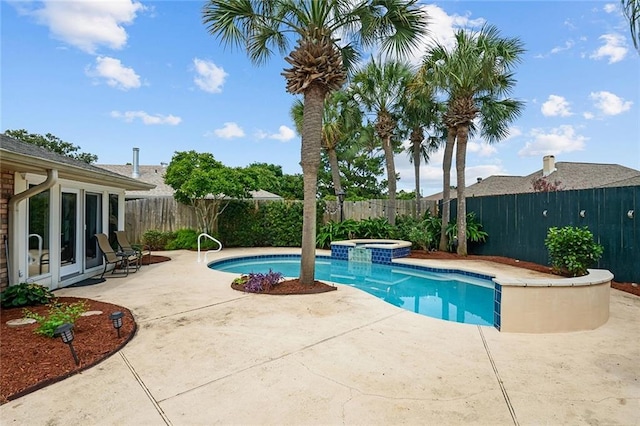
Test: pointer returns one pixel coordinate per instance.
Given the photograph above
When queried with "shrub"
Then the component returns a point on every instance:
(572, 250)
(378, 228)
(25, 294)
(156, 240)
(336, 231)
(187, 239)
(59, 313)
(474, 231)
(258, 282)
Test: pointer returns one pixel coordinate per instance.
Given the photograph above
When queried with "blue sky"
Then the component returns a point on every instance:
(112, 75)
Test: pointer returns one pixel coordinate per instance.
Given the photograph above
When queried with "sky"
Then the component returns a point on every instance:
(109, 76)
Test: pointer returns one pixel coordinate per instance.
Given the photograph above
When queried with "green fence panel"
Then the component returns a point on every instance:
(517, 224)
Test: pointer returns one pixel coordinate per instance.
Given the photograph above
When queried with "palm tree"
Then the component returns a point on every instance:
(421, 111)
(380, 89)
(341, 118)
(328, 36)
(631, 9)
(475, 75)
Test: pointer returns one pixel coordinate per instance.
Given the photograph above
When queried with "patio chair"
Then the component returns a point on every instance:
(120, 260)
(127, 247)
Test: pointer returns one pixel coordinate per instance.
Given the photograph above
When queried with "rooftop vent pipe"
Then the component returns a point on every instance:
(479, 179)
(136, 163)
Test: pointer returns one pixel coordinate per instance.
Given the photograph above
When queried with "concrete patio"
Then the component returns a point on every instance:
(206, 354)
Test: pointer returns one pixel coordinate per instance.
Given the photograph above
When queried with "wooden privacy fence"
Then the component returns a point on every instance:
(517, 224)
(166, 214)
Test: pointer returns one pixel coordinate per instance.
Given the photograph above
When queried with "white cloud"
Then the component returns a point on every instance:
(567, 45)
(442, 28)
(116, 74)
(148, 119)
(610, 104)
(284, 134)
(557, 140)
(482, 149)
(556, 106)
(88, 24)
(614, 48)
(610, 7)
(209, 77)
(588, 115)
(229, 131)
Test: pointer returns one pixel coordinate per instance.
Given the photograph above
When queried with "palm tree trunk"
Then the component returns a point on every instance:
(335, 169)
(446, 187)
(461, 154)
(391, 179)
(416, 172)
(310, 162)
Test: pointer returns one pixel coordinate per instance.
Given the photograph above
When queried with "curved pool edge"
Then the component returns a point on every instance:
(554, 305)
(523, 305)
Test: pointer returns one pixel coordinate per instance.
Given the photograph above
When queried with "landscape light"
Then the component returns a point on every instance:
(116, 319)
(65, 331)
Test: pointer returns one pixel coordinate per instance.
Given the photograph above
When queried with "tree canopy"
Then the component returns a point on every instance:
(206, 184)
(52, 143)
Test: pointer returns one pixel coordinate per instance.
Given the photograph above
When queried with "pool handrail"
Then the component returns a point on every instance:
(204, 234)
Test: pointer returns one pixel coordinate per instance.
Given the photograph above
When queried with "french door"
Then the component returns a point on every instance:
(92, 226)
(70, 232)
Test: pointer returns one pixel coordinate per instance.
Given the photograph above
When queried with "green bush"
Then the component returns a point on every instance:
(424, 234)
(156, 240)
(572, 250)
(59, 313)
(25, 294)
(187, 239)
(336, 231)
(377, 228)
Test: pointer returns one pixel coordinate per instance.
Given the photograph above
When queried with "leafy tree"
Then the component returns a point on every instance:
(207, 185)
(475, 75)
(541, 184)
(329, 35)
(52, 143)
(631, 9)
(380, 88)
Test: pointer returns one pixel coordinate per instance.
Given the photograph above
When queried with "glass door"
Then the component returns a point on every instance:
(92, 226)
(70, 234)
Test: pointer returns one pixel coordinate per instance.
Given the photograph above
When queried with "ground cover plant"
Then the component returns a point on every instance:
(59, 313)
(25, 294)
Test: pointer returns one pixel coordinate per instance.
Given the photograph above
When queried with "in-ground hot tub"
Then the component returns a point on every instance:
(375, 251)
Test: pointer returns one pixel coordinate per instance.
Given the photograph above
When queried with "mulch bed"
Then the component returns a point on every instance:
(31, 361)
(293, 287)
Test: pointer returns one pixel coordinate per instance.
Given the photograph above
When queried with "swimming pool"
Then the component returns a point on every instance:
(453, 296)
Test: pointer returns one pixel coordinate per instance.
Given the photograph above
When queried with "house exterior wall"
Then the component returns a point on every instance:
(25, 265)
(6, 191)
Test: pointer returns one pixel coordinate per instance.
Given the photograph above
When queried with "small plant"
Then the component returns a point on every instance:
(572, 250)
(474, 231)
(59, 313)
(25, 294)
(258, 282)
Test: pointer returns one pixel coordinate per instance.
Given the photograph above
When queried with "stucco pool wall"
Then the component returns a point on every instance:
(382, 251)
(555, 305)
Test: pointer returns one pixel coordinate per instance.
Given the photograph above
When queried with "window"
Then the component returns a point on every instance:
(38, 231)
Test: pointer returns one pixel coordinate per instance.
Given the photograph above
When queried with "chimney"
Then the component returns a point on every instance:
(136, 163)
(548, 165)
(479, 179)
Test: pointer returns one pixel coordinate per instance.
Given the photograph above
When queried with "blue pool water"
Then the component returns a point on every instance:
(440, 294)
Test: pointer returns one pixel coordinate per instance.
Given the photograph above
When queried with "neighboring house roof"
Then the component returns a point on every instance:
(567, 175)
(155, 175)
(29, 158)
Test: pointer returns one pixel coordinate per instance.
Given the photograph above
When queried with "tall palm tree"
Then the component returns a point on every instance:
(341, 118)
(475, 76)
(421, 111)
(328, 36)
(631, 9)
(380, 88)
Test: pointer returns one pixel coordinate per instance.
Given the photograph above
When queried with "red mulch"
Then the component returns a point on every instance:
(31, 361)
(293, 287)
